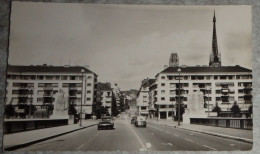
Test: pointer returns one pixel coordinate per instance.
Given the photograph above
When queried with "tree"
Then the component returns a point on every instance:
(235, 109)
(114, 106)
(182, 110)
(216, 109)
(49, 108)
(72, 109)
(9, 110)
(250, 109)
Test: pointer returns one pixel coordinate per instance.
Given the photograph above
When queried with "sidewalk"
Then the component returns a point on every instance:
(22, 139)
(231, 133)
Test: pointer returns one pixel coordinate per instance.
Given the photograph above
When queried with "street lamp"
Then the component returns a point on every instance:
(80, 114)
(179, 104)
(30, 89)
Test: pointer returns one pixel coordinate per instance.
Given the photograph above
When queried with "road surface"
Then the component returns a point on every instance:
(126, 137)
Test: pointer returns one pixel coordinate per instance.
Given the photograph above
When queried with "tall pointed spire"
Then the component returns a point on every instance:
(215, 55)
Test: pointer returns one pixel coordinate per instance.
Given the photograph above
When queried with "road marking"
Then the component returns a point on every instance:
(210, 147)
(152, 133)
(167, 132)
(170, 144)
(187, 139)
(191, 134)
(80, 147)
(232, 145)
(175, 135)
(148, 145)
(138, 138)
(142, 150)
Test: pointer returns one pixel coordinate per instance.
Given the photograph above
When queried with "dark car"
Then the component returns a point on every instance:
(106, 122)
(133, 120)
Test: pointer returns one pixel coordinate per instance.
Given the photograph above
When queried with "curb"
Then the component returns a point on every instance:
(213, 134)
(15, 147)
(220, 135)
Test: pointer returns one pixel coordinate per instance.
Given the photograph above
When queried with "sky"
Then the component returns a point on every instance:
(125, 44)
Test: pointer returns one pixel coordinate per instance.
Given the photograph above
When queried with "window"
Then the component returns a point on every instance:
(64, 77)
(238, 76)
(88, 91)
(172, 85)
(218, 98)
(215, 77)
(143, 108)
(208, 77)
(162, 77)
(162, 91)
(88, 99)
(162, 98)
(185, 77)
(89, 84)
(172, 99)
(108, 93)
(40, 77)
(144, 96)
(89, 77)
(163, 84)
(72, 78)
(172, 92)
(240, 91)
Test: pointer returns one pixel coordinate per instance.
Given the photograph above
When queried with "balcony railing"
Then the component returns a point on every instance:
(48, 88)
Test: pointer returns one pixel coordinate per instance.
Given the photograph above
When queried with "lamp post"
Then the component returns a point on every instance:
(30, 89)
(80, 115)
(179, 104)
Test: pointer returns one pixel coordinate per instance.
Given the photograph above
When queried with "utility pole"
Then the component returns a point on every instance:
(179, 104)
(82, 99)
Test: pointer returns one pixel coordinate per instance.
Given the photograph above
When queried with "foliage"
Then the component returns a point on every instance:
(72, 109)
(250, 109)
(9, 110)
(182, 109)
(235, 109)
(216, 109)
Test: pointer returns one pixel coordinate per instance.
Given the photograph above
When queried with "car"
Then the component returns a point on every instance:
(140, 121)
(133, 120)
(106, 122)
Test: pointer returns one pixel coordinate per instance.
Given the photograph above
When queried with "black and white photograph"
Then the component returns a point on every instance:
(118, 77)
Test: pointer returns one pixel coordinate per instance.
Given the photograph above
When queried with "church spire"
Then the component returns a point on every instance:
(215, 55)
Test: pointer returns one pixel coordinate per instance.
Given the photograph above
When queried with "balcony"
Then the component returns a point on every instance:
(73, 88)
(47, 88)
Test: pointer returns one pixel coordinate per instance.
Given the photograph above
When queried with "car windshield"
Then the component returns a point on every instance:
(106, 119)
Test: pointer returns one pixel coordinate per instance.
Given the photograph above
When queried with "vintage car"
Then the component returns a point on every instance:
(106, 122)
(133, 120)
(140, 121)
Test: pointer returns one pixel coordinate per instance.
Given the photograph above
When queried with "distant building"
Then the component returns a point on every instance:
(143, 97)
(38, 84)
(104, 96)
(174, 60)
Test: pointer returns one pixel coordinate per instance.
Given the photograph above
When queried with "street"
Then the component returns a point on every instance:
(126, 137)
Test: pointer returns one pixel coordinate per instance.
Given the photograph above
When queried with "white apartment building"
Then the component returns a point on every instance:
(105, 95)
(38, 84)
(223, 85)
(143, 97)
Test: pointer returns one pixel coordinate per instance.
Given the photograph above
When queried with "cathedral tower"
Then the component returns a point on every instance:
(215, 57)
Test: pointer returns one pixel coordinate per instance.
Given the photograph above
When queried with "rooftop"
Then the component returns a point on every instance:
(47, 69)
(206, 69)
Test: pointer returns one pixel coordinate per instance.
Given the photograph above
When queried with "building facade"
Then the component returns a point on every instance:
(143, 97)
(222, 85)
(105, 95)
(37, 85)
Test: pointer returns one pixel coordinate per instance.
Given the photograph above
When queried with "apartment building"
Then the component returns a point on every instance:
(38, 84)
(143, 97)
(223, 85)
(105, 95)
